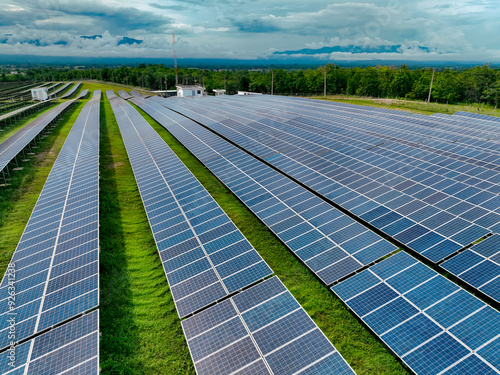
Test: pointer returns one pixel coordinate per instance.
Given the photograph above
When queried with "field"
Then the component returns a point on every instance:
(422, 108)
(141, 333)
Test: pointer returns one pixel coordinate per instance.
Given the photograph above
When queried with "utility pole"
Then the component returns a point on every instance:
(224, 79)
(324, 86)
(272, 82)
(430, 89)
(175, 60)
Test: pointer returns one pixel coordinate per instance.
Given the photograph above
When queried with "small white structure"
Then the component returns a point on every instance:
(248, 93)
(219, 92)
(40, 94)
(165, 93)
(185, 91)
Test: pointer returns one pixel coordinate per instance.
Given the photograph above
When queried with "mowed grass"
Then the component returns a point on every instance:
(414, 106)
(141, 332)
(18, 199)
(362, 350)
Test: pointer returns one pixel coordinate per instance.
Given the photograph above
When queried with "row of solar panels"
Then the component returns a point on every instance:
(329, 242)
(62, 88)
(71, 91)
(10, 115)
(54, 272)
(436, 222)
(206, 259)
(430, 323)
(16, 143)
(394, 196)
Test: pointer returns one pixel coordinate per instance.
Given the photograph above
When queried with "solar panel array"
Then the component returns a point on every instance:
(124, 94)
(204, 255)
(259, 330)
(479, 266)
(433, 325)
(62, 88)
(381, 167)
(429, 322)
(52, 87)
(330, 243)
(72, 90)
(83, 94)
(72, 348)
(10, 115)
(13, 145)
(56, 261)
(262, 330)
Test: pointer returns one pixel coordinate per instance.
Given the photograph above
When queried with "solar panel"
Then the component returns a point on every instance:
(204, 255)
(479, 266)
(13, 145)
(369, 182)
(72, 348)
(83, 94)
(72, 90)
(124, 94)
(262, 330)
(330, 243)
(430, 323)
(55, 265)
(62, 88)
(10, 115)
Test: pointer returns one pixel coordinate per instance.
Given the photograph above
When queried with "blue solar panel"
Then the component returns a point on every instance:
(205, 256)
(55, 265)
(412, 309)
(479, 266)
(72, 90)
(13, 145)
(261, 329)
(70, 348)
(329, 242)
(257, 125)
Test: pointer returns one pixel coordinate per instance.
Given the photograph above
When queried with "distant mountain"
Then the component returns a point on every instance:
(350, 49)
(278, 62)
(93, 37)
(129, 41)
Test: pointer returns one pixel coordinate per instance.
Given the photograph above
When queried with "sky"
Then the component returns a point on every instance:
(417, 30)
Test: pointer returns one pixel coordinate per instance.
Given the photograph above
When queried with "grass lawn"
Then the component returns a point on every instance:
(141, 332)
(414, 106)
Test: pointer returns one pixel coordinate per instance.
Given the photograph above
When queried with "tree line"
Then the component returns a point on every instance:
(480, 84)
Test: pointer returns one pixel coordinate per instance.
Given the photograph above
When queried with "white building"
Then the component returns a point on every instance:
(184, 91)
(40, 93)
(244, 93)
(218, 92)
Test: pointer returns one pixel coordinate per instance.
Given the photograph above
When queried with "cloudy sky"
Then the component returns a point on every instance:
(419, 30)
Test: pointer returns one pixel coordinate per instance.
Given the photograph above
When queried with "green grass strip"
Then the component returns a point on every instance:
(141, 332)
(362, 350)
(414, 106)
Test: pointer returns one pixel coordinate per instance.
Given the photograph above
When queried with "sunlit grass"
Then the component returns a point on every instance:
(414, 106)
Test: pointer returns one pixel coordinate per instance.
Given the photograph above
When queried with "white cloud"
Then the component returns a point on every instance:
(457, 29)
